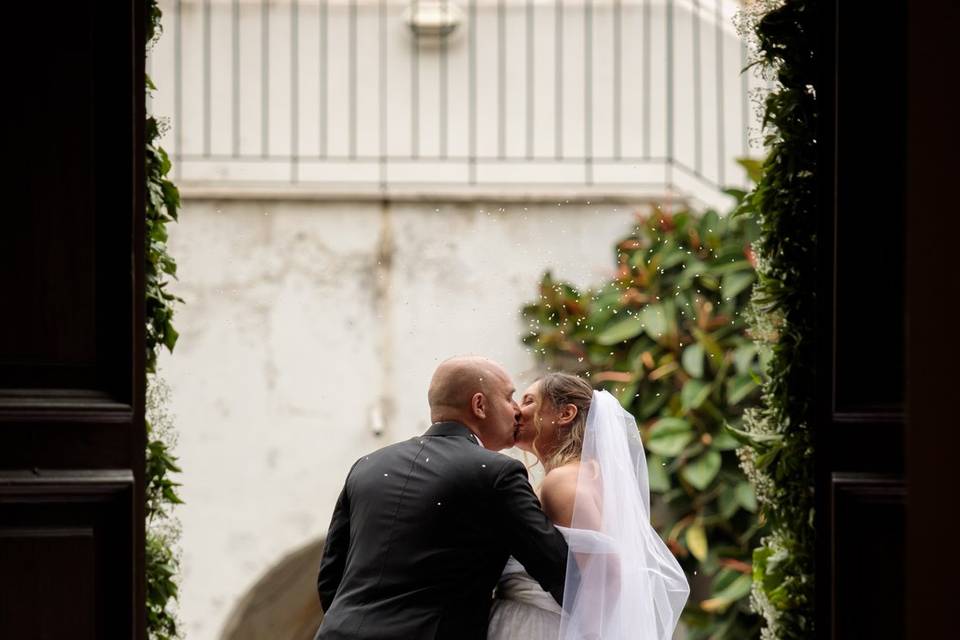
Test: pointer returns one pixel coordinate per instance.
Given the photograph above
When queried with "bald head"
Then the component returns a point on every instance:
(457, 380)
(478, 393)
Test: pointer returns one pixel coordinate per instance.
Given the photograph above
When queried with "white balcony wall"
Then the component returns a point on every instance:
(633, 96)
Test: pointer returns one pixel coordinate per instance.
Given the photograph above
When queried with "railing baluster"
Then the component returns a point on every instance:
(383, 94)
(588, 90)
(352, 72)
(472, 98)
(617, 79)
(647, 73)
(697, 92)
(206, 79)
(530, 79)
(178, 87)
(265, 79)
(721, 97)
(558, 94)
(324, 89)
(415, 92)
(443, 91)
(294, 92)
(501, 81)
(670, 150)
(235, 76)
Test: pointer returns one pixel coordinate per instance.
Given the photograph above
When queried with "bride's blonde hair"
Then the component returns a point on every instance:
(561, 389)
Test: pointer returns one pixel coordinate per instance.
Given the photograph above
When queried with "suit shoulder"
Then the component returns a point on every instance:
(503, 465)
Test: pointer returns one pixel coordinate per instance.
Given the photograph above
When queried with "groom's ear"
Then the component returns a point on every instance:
(478, 406)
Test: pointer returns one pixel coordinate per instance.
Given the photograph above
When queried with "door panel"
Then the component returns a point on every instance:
(71, 341)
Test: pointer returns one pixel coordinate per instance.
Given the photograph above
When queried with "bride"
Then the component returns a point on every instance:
(622, 581)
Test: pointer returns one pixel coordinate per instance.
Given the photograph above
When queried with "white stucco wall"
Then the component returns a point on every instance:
(303, 321)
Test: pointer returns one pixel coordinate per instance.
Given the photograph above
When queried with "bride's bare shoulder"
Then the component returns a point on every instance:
(558, 492)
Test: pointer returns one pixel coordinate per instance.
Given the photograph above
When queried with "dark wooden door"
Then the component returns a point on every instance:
(860, 403)
(71, 322)
(887, 431)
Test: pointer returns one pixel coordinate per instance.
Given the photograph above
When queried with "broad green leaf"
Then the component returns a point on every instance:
(694, 393)
(723, 579)
(746, 497)
(657, 472)
(710, 224)
(696, 538)
(768, 439)
(743, 357)
(727, 502)
(625, 329)
(701, 472)
(723, 441)
(730, 267)
(627, 394)
(722, 600)
(740, 387)
(654, 320)
(753, 167)
(735, 282)
(711, 346)
(692, 360)
(669, 436)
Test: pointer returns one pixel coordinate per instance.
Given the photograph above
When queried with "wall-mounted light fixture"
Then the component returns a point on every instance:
(433, 18)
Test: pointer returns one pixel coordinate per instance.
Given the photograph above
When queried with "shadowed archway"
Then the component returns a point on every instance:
(283, 604)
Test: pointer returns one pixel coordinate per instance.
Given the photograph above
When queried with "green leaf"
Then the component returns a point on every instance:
(727, 502)
(739, 387)
(654, 320)
(696, 538)
(623, 330)
(701, 472)
(669, 436)
(722, 600)
(693, 394)
(657, 473)
(746, 498)
(743, 357)
(692, 360)
(745, 437)
(735, 282)
(723, 441)
(753, 166)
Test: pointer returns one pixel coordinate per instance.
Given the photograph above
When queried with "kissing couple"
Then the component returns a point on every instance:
(442, 537)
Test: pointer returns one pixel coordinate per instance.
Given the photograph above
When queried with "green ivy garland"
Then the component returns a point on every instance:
(162, 204)
(778, 451)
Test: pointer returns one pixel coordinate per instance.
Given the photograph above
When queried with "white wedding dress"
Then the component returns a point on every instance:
(522, 610)
(627, 584)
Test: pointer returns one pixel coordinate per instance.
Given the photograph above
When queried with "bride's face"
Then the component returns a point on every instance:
(537, 432)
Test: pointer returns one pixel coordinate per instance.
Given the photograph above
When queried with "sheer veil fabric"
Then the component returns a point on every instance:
(622, 580)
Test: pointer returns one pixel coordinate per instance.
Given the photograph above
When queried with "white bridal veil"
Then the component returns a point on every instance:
(622, 580)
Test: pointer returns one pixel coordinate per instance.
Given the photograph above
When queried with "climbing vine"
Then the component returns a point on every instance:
(777, 452)
(162, 205)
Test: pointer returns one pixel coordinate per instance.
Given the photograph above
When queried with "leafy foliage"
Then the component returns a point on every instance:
(163, 202)
(667, 336)
(778, 445)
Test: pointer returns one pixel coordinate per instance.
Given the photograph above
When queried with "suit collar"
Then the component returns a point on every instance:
(451, 428)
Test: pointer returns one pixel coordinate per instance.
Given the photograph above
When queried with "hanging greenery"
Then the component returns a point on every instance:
(667, 336)
(777, 455)
(162, 204)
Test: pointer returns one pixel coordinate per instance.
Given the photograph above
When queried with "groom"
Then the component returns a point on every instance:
(423, 528)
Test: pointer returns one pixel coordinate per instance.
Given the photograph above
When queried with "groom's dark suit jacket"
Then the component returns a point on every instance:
(420, 535)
